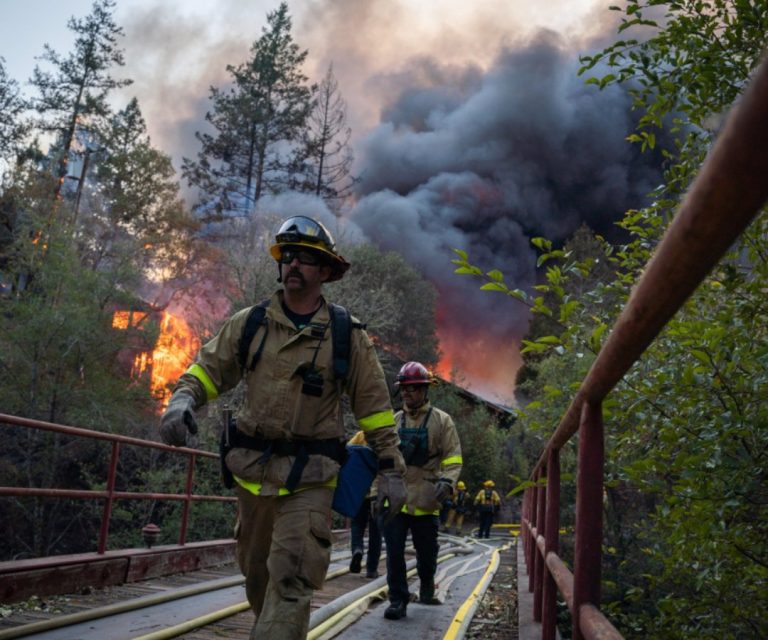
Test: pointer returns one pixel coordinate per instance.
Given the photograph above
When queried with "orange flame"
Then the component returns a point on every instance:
(174, 350)
(125, 319)
(484, 366)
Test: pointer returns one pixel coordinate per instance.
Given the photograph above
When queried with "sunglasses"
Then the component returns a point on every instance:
(304, 257)
(410, 388)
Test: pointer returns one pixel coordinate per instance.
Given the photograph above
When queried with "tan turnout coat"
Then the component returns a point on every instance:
(276, 408)
(444, 459)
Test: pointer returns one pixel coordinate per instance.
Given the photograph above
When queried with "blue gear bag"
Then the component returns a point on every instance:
(355, 478)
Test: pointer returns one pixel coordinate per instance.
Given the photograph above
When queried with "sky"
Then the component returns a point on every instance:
(471, 129)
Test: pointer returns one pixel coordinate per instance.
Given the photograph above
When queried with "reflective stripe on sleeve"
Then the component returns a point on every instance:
(211, 392)
(452, 460)
(415, 511)
(377, 420)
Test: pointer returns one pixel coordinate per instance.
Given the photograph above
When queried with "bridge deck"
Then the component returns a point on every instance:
(457, 577)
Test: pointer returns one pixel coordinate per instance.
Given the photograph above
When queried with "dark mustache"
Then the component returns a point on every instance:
(295, 272)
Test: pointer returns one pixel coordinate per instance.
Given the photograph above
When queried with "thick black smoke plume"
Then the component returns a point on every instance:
(485, 161)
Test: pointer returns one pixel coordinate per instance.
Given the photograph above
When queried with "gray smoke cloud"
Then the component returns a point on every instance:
(484, 161)
(453, 151)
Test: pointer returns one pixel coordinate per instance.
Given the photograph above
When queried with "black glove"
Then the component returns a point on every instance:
(390, 487)
(178, 420)
(443, 489)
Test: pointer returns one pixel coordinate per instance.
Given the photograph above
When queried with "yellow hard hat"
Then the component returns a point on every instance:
(301, 231)
(489, 483)
(460, 485)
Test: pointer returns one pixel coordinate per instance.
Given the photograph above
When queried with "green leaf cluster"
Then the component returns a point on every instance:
(686, 492)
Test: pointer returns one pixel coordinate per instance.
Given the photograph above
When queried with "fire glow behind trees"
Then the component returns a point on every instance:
(470, 129)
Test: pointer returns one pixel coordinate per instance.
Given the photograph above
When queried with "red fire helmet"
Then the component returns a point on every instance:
(413, 373)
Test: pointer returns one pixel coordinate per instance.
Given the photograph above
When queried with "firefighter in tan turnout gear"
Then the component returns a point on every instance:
(487, 503)
(285, 447)
(432, 451)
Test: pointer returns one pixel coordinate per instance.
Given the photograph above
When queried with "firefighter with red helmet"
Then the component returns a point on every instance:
(432, 452)
(288, 439)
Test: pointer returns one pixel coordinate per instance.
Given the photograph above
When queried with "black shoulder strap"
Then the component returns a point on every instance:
(341, 335)
(252, 323)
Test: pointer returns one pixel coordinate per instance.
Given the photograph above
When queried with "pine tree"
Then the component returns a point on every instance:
(74, 96)
(134, 202)
(325, 159)
(257, 122)
(12, 105)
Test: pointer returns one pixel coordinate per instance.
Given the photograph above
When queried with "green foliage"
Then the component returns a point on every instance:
(685, 552)
(68, 259)
(12, 125)
(683, 63)
(58, 355)
(73, 97)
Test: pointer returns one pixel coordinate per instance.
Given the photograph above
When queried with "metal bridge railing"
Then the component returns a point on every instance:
(110, 493)
(726, 195)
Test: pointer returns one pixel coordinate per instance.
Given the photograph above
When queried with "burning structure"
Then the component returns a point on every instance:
(162, 347)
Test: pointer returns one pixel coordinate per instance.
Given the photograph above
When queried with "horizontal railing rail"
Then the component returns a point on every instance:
(110, 494)
(729, 191)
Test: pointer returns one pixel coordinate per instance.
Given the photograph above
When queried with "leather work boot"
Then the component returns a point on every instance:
(357, 559)
(372, 574)
(395, 611)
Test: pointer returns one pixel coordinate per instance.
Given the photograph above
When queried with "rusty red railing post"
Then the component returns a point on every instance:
(523, 520)
(539, 568)
(187, 499)
(526, 532)
(109, 500)
(551, 544)
(532, 550)
(589, 513)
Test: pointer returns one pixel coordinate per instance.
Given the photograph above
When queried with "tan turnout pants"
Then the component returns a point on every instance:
(283, 549)
(454, 517)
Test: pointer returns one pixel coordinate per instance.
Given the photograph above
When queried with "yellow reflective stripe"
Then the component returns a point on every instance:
(420, 512)
(452, 460)
(211, 392)
(255, 487)
(377, 420)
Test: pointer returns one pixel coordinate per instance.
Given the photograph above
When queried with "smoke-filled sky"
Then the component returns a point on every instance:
(470, 127)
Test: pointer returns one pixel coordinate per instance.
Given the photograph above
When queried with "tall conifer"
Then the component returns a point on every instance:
(257, 122)
(74, 95)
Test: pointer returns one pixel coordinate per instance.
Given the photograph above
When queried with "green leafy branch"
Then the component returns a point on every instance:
(563, 309)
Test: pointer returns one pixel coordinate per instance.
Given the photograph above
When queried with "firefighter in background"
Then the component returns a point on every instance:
(432, 452)
(459, 508)
(285, 451)
(365, 519)
(487, 504)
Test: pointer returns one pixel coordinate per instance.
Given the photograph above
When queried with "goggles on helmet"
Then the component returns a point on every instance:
(300, 230)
